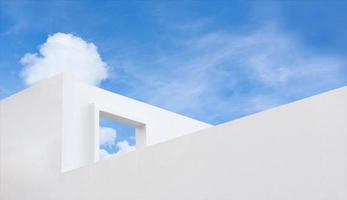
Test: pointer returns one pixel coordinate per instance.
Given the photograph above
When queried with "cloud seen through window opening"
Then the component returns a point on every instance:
(108, 138)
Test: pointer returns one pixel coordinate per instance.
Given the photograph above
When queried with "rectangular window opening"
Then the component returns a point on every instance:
(118, 135)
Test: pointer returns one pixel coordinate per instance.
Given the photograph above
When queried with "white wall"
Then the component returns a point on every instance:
(30, 141)
(297, 151)
(81, 105)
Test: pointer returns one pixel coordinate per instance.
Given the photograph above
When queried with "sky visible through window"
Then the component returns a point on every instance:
(115, 138)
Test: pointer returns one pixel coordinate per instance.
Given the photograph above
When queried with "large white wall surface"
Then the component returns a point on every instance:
(297, 151)
(82, 104)
(53, 126)
(30, 141)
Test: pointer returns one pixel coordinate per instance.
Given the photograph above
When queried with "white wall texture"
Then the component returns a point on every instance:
(30, 136)
(81, 104)
(297, 151)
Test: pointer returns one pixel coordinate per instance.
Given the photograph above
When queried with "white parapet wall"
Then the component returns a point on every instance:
(77, 108)
(47, 143)
(82, 105)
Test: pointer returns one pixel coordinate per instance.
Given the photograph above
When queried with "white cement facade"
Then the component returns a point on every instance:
(48, 137)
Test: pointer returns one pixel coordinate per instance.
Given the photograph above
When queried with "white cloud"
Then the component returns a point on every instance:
(107, 136)
(103, 154)
(124, 147)
(64, 53)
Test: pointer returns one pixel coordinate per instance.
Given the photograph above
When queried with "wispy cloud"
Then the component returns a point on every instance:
(217, 76)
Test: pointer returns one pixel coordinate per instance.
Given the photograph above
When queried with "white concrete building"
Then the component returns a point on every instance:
(49, 145)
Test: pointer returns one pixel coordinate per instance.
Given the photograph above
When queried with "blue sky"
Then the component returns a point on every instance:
(211, 60)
